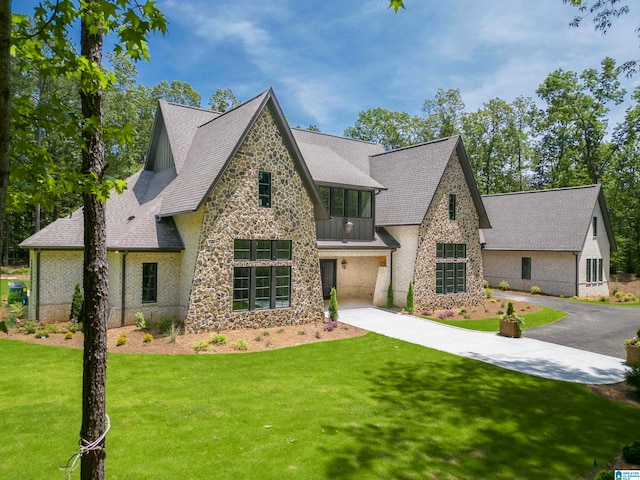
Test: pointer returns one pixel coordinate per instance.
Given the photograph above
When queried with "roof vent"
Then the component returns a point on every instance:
(131, 218)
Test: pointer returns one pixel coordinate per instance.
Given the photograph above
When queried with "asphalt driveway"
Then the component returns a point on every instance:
(595, 328)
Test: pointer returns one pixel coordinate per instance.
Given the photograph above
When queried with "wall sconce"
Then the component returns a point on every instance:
(348, 226)
(344, 263)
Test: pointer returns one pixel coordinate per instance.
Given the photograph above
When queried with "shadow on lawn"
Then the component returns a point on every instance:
(463, 419)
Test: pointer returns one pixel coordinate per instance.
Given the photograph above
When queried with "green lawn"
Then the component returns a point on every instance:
(544, 316)
(363, 408)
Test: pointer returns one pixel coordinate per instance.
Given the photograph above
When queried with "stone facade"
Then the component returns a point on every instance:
(438, 228)
(232, 212)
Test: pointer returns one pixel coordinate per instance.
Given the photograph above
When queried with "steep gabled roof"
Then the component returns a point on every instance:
(412, 176)
(544, 220)
(336, 160)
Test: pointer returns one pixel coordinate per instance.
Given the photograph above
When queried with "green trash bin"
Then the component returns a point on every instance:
(18, 293)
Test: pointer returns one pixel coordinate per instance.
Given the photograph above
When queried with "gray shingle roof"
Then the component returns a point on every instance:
(412, 176)
(131, 221)
(337, 161)
(547, 220)
(382, 240)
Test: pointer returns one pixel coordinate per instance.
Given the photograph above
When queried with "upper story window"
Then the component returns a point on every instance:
(342, 202)
(256, 250)
(595, 226)
(451, 250)
(452, 206)
(264, 189)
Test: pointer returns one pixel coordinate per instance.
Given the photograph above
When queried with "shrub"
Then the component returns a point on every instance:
(632, 376)
(200, 346)
(240, 344)
(302, 332)
(76, 305)
(504, 285)
(333, 305)
(164, 324)
(141, 322)
(463, 311)
(30, 326)
(561, 295)
(74, 327)
(535, 290)
(390, 301)
(330, 326)
(17, 310)
(122, 339)
(410, 298)
(14, 297)
(488, 292)
(174, 332)
(446, 314)
(281, 330)
(605, 475)
(318, 334)
(485, 283)
(604, 298)
(427, 313)
(41, 333)
(510, 309)
(631, 453)
(147, 338)
(218, 339)
(68, 335)
(629, 297)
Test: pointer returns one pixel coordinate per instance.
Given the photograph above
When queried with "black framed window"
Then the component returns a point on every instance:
(588, 270)
(264, 189)
(242, 249)
(149, 282)
(325, 194)
(595, 226)
(451, 278)
(452, 206)
(337, 202)
(347, 203)
(600, 270)
(451, 250)
(283, 287)
(594, 270)
(283, 249)
(263, 250)
(365, 204)
(241, 285)
(526, 268)
(352, 203)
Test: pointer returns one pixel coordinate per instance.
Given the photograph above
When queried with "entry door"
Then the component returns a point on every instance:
(328, 276)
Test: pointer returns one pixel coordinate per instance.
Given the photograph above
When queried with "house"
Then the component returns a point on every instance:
(559, 240)
(239, 221)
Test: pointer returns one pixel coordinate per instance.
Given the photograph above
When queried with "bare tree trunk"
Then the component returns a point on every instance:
(95, 266)
(5, 105)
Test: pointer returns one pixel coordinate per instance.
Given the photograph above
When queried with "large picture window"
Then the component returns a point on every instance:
(342, 202)
(261, 286)
(149, 282)
(451, 278)
(595, 270)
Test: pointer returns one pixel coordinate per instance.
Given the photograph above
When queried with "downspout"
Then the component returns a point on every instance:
(123, 288)
(37, 284)
(577, 255)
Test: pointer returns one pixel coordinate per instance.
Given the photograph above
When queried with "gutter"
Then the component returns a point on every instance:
(123, 288)
(577, 255)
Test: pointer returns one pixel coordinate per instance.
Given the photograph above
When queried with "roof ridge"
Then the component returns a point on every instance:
(341, 137)
(243, 104)
(576, 187)
(176, 104)
(437, 140)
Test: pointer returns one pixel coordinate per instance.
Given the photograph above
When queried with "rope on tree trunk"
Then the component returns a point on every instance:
(85, 447)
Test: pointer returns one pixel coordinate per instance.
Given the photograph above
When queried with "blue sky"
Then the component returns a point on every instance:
(329, 59)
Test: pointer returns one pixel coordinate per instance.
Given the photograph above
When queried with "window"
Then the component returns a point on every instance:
(526, 268)
(451, 278)
(588, 270)
(352, 203)
(595, 226)
(452, 206)
(365, 204)
(337, 202)
(595, 270)
(261, 286)
(325, 194)
(264, 189)
(149, 282)
(600, 270)
(451, 250)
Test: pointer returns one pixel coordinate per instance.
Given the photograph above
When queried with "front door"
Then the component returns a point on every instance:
(328, 276)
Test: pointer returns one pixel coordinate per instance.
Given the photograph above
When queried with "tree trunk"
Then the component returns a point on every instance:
(5, 104)
(95, 265)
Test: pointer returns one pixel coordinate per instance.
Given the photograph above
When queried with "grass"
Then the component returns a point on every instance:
(544, 316)
(599, 302)
(363, 408)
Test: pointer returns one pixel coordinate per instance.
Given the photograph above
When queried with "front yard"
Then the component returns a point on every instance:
(364, 407)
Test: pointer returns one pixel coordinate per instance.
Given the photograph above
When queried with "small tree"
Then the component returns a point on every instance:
(410, 298)
(76, 305)
(510, 309)
(333, 305)
(390, 301)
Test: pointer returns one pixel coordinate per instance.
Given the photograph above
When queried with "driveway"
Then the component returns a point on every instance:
(595, 328)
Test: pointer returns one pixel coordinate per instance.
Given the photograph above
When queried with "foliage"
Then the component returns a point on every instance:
(535, 290)
(409, 306)
(396, 4)
(512, 317)
(390, 129)
(443, 114)
(76, 305)
(200, 346)
(632, 377)
(68, 336)
(485, 283)
(223, 100)
(446, 314)
(147, 338)
(17, 310)
(333, 305)
(28, 327)
(504, 285)
(330, 326)
(142, 323)
(240, 344)
(510, 308)
(488, 293)
(41, 333)
(544, 316)
(122, 339)
(74, 327)
(631, 453)
(164, 324)
(218, 339)
(605, 475)
(390, 301)
(174, 331)
(14, 297)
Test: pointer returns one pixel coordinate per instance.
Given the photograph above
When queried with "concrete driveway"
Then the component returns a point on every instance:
(595, 328)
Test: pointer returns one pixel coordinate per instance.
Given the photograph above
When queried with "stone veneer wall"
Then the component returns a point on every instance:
(232, 212)
(437, 228)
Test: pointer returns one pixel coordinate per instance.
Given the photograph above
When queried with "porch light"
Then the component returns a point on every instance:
(348, 226)
(344, 263)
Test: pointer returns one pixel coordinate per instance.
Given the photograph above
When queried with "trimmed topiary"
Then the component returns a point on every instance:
(410, 298)
(76, 305)
(390, 300)
(333, 305)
